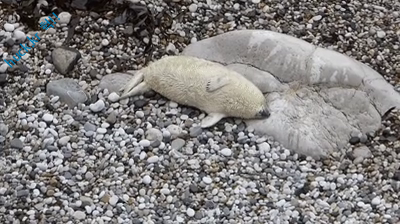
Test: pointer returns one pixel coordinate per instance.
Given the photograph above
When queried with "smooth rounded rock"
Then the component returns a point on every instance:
(19, 35)
(312, 92)
(65, 17)
(8, 27)
(68, 90)
(226, 152)
(98, 106)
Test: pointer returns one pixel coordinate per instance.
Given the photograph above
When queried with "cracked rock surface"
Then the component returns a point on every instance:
(318, 97)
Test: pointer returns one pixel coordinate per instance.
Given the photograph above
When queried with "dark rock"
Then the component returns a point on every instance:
(9, 42)
(65, 59)
(354, 140)
(3, 79)
(16, 143)
(112, 117)
(140, 103)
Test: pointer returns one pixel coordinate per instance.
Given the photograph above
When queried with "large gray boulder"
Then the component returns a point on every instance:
(317, 97)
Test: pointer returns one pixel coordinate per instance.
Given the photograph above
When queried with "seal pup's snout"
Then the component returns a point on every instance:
(263, 113)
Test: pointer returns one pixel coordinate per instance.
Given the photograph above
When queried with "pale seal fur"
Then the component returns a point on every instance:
(206, 85)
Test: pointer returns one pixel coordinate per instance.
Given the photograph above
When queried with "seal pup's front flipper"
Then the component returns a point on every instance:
(137, 90)
(137, 78)
(211, 119)
(216, 83)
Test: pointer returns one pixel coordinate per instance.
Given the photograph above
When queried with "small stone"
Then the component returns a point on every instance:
(16, 143)
(105, 42)
(255, 1)
(68, 91)
(64, 140)
(89, 127)
(207, 180)
(174, 130)
(193, 7)
(264, 147)
(48, 117)
(177, 143)
(381, 34)
(152, 159)
(195, 131)
(165, 191)
(98, 106)
(65, 17)
(79, 215)
(65, 59)
(190, 212)
(144, 143)
(226, 152)
(139, 114)
(19, 35)
(22, 193)
(146, 179)
(128, 30)
(376, 201)
(88, 175)
(9, 27)
(113, 97)
(354, 140)
(3, 129)
(362, 152)
(154, 134)
(317, 18)
(113, 200)
(112, 118)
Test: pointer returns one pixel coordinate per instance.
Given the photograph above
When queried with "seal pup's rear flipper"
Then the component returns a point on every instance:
(211, 119)
(137, 90)
(216, 83)
(137, 78)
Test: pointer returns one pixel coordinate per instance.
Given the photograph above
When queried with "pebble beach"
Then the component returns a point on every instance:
(147, 160)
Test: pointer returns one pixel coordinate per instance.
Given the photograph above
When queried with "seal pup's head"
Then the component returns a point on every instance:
(252, 105)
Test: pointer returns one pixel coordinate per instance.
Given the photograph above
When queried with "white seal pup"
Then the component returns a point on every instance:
(206, 85)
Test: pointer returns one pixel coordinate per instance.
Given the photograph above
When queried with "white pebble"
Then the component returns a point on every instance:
(144, 143)
(207, 180)
(376, 201)
(317, 18)
(146, 179)
(152, 159)
(8, 27)
(190, 212)
(381, 34)
(256, 1)
(3, 68)
(64, 140)
(101, 130)
(48, 72)
(79, 215)
(113, 97)
(105, 42)
(48, 117)
(193, 7)
(19, 35)
(64, 17)
(98, 106)
(113, 200)
(226, 152)
(165, 191)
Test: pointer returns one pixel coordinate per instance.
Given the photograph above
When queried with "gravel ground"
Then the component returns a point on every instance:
(146, 160)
